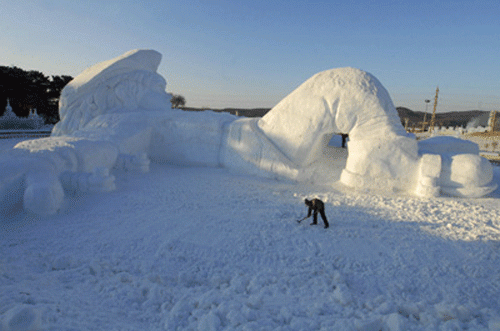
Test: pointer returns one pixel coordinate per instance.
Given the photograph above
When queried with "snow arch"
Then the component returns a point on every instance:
(345, 100)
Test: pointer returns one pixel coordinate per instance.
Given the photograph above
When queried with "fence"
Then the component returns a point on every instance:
(23, 134)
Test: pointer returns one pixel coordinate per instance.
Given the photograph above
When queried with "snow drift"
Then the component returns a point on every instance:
(117, 114)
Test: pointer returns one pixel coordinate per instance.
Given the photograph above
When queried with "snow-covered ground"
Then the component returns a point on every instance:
(200, 248)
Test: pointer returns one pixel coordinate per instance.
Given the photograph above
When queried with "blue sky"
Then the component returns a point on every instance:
(253, 53)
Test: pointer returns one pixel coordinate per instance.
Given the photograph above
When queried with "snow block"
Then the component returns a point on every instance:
(189, 138)
(92, 154)
(464, 172)
(44, 194)
(470, 169)
(99, 180)
(429, 171)
(467, 175)
(447, 145)
(12, 184)
(380, 163)
(129, 132)
(68, 153)
(139, 162)
(58, 151)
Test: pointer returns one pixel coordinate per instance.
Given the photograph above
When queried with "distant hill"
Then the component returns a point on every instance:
(450, 119)
(254, 112)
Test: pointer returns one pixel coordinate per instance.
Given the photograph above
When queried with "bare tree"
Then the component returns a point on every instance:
(178, 101)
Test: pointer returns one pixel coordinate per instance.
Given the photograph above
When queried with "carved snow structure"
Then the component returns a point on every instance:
(381, 155)
(10, 121)
(117, 115)
(350, 101)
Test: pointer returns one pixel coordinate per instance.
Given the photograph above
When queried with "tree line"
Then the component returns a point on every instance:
(28, 90)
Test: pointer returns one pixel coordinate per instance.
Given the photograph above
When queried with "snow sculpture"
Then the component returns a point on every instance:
(80, 156)
(453, 166)
(116, 115)
(8, 114)
(126, 83)
(345, 100)
(10, 121)
(36, 119)
(381, 155)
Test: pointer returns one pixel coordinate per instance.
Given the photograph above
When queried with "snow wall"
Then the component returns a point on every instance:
(116, 116)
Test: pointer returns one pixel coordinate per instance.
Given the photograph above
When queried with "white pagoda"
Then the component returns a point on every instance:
(10, 121)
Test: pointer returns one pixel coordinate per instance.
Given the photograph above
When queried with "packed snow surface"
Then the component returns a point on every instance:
(202, 248)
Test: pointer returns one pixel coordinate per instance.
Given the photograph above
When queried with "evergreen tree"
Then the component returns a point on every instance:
(27, 90)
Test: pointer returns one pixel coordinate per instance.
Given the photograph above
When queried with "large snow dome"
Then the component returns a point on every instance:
(117, 115)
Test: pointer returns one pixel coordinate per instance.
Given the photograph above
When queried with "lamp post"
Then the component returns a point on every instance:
(425, 114)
